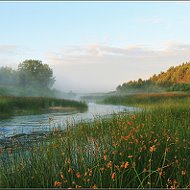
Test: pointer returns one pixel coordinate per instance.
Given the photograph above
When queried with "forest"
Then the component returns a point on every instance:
(174, 79)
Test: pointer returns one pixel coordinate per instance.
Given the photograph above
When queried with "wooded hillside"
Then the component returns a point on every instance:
(174, 79)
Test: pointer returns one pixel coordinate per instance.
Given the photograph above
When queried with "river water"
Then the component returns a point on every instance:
(28, 124)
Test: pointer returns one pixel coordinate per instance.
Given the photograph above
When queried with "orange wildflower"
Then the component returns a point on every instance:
(124, 138)
(133, 116)
(152, 148)
(160, 171)
(94, 186)
(69, 170)
(113, 176)
(61, 174)
(78, 186)
(78, 175)
(105, 157)
(57, 184)
(136, 141)
(109, 165)
(129, 123)
(126, 165)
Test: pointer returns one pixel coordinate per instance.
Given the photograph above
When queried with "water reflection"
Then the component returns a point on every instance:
(45, 122)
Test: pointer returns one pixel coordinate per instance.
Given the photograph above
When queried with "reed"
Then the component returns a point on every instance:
(25, 105)
(146, 99)
(145, 149)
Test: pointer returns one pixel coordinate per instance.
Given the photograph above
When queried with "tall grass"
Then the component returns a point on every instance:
(146, 99)
(144, 149)
(20, 105)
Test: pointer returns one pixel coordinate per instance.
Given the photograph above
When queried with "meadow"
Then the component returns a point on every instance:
(15, 105)
(144, 149)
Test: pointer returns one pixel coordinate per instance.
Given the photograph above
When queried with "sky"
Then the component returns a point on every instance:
(95, 46)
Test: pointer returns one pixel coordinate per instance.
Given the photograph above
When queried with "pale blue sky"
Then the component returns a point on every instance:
(81, 40)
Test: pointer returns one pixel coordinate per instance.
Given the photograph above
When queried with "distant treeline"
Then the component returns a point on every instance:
(174, 79)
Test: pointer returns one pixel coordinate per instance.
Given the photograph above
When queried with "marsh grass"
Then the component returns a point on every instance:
(146, 149)
(10, 105)
(146, 99)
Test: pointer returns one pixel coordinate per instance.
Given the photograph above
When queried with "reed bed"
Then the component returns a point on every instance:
(146, 99)
(144, 149)
(10, 105)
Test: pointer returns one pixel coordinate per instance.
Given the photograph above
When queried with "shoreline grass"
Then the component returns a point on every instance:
(12, 105)
(147, 99)
(146, 149)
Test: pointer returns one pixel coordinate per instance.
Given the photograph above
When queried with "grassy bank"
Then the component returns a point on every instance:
(10, 105)
(150, 99)
(145, 149)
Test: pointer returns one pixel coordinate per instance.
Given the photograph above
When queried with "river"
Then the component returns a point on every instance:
(28, 124)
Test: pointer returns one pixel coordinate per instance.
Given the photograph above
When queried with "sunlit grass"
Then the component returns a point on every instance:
(144, 149)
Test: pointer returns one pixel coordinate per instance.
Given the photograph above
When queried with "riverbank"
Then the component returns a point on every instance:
(11, 105)
(27, 124)
(147, 99)
(146, 149)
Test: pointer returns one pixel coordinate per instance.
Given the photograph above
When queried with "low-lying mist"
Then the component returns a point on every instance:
(32, 78)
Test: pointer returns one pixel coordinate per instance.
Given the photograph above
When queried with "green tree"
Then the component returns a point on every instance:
(33, 73)
(8, 76)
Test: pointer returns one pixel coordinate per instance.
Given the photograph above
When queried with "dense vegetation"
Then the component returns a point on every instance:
(31, 78)
(174, 79)
(150, 99)
(25, 105)
(146, 149)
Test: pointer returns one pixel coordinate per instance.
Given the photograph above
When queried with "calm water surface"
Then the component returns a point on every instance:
(45, 122)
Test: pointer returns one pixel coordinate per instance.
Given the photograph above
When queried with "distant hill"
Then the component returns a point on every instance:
(174, 75)
(174, 79)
